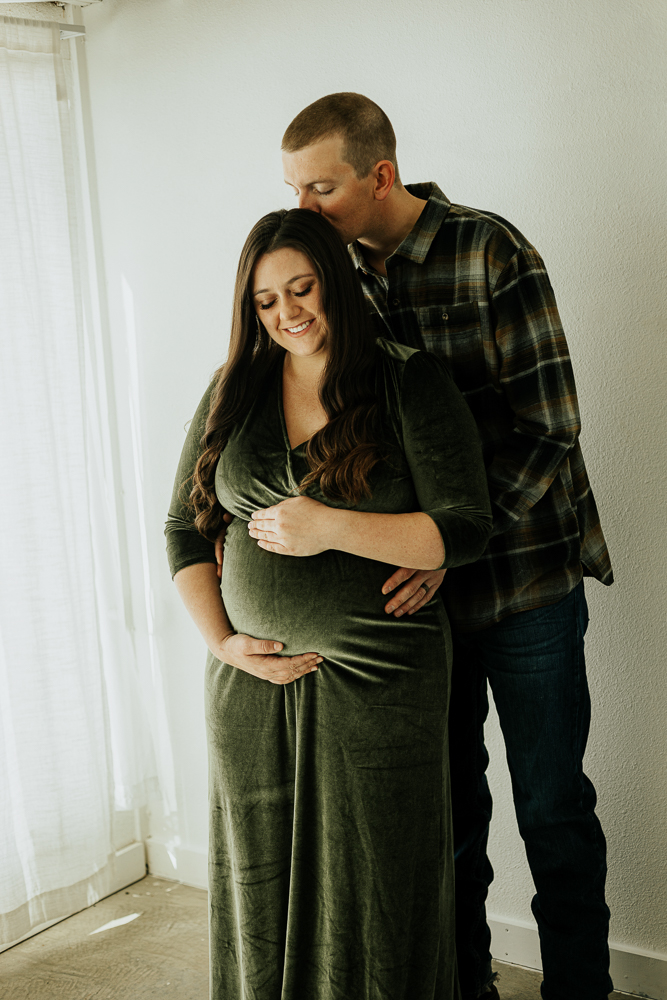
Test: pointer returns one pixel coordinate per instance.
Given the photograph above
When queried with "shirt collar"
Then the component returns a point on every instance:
(417, 243)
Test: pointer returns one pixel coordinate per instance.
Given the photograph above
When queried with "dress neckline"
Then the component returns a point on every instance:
(281, 413)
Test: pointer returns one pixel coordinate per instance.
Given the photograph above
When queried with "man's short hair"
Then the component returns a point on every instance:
(367, 134)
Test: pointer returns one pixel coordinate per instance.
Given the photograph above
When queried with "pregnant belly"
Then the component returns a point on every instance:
(331, 603)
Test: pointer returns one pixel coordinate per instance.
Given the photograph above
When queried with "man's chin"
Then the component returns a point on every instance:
(346, 236)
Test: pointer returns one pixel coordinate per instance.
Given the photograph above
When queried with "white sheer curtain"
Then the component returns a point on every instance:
(74, 739)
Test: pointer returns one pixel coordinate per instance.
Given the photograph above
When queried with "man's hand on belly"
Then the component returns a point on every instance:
(419, 587)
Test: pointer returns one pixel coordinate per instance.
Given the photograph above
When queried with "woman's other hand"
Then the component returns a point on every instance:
(259, 658)
(298, 526)
(199, 588)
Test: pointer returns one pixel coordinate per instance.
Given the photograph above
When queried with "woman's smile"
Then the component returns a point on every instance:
(296, 331)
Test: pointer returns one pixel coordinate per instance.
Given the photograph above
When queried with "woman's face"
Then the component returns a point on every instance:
(286, 294)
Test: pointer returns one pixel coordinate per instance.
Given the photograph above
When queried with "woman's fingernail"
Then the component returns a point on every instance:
(398, 614)
(311, 670)
(390, 607)
(277, 645)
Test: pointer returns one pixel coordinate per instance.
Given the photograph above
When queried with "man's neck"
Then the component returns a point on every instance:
(399, 213)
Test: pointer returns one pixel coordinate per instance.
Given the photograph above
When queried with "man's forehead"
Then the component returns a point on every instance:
(316, 163)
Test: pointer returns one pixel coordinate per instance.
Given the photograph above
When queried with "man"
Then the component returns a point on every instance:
(467, 285)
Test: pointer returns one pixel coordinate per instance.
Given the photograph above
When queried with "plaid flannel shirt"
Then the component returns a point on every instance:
(469, 287)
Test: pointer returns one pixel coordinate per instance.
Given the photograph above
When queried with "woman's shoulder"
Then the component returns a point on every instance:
(201, 413)
(401, 358)
(408, 377)
(392, 352)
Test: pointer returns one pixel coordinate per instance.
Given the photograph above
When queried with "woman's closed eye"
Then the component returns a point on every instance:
(300, 295)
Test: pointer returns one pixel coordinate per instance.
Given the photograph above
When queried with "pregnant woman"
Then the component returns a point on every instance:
(336, 453)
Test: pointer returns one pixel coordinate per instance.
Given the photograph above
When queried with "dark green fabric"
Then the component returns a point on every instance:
(331, 868)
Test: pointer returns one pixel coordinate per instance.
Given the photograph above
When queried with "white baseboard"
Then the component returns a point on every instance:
(126, 866)
(178, 863)
(516, 942)
(129, 865)
(640, 973)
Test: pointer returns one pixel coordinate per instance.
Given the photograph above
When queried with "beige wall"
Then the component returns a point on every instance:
(550, 113)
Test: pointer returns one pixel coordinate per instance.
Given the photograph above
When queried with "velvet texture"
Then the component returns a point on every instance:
(331, 863)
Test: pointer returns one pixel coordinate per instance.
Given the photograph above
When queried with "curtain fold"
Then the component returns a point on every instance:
(74, 744)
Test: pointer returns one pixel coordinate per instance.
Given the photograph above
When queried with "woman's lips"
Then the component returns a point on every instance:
(300, 329)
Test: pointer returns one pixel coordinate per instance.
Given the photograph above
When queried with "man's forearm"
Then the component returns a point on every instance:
(410, 540)
(520, 476)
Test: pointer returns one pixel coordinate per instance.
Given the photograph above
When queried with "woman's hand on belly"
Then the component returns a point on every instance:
(259, 658)
(298, 526)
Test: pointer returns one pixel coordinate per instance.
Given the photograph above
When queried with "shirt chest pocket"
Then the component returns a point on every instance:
(455, 333)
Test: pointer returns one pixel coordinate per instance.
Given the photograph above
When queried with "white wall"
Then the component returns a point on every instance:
(550, 113)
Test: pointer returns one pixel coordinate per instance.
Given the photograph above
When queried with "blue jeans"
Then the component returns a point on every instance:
(534, 662)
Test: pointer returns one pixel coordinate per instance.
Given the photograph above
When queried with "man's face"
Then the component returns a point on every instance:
(324, 183)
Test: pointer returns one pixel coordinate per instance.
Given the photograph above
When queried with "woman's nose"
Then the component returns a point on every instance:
(288, 310)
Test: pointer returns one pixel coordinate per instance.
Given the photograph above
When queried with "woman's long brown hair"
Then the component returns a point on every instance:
(341, 455)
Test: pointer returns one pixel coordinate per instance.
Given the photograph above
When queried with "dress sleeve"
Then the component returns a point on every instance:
(444, 453)
(185, 546)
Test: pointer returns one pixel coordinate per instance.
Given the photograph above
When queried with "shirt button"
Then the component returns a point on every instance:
(395, 302)
(445, 316)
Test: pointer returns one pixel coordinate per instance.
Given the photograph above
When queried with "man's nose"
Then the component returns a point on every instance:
(306, 200)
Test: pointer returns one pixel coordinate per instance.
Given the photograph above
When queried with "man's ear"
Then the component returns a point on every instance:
(384, 176)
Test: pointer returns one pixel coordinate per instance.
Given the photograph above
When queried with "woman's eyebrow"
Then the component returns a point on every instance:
(261, 291)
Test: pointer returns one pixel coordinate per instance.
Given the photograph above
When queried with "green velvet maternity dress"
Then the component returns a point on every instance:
(330, 861)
